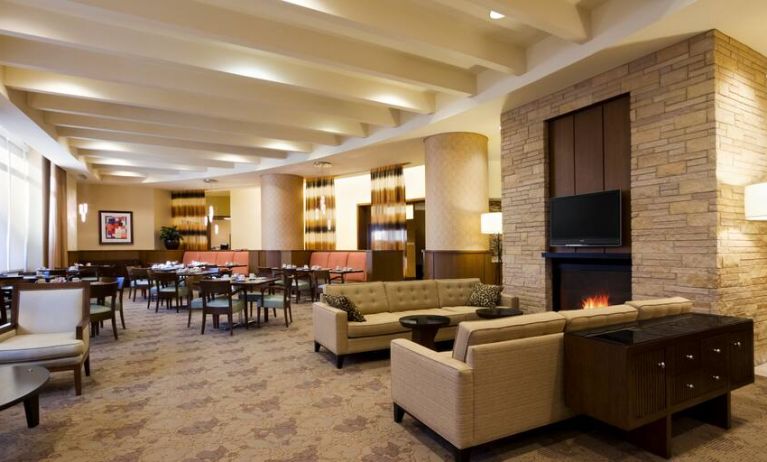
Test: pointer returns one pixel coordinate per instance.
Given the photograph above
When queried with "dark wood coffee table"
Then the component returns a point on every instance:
(23, 383)
(498, 312)
(424, 327)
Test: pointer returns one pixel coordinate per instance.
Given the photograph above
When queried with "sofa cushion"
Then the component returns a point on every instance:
(455, 292)
(376, 324)
(368, 297)
(412, 295)
(597, 317)
(500, 330)
(190, 256)
(343, 303)
(660, 307)
(241, 258)
(33, 347)
(485, 295)
(469, 313)
(337, 259)
(224, 257)
(319, 259)
(358, 261)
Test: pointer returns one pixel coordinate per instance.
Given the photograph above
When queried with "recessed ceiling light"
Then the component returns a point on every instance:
(209, 180)
(496, 15)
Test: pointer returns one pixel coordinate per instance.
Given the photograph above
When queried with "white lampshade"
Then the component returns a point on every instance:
(756, 202)
(492, 223)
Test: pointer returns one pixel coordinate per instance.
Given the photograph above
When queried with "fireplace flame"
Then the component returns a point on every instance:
(595, 301)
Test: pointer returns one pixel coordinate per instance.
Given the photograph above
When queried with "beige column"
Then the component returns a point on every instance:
(282, 212)
(456, 191)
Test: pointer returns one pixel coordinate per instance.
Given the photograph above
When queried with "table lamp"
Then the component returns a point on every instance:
(492, 223)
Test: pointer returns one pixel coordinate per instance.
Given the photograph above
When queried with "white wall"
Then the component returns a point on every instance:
(245, 208)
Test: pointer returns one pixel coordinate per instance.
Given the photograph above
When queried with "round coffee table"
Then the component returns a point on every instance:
(23, 383)
(424, 327)
(495, 313)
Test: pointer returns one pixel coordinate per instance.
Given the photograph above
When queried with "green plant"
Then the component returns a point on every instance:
(170, 233)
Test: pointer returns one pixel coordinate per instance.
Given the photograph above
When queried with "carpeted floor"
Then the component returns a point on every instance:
(164, 393)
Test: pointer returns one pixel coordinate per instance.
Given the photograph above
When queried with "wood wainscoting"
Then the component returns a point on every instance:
(449, 264)
(382, 265)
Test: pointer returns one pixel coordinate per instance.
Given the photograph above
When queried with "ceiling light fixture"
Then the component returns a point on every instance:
(209, 180)
(496, 15)
(322, 164)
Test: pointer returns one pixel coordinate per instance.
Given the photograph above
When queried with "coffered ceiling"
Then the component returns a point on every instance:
(180, 90)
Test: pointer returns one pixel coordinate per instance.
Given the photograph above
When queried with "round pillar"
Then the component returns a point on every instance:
(456, 191)
(282, 212)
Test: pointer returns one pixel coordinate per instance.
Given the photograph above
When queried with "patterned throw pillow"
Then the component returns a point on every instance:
(485, 295)
(343, 303)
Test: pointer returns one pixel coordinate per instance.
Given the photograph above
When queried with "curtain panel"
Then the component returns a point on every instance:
(320, 214)
(188, 212)
(387, 210)
(55, 218)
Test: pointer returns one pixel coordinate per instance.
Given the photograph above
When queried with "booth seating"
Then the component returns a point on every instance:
(219, 258)
(355, 260)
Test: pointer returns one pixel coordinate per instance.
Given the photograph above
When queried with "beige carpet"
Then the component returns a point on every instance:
(165, 393)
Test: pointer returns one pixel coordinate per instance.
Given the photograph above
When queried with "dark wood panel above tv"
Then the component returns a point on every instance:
(590, 151)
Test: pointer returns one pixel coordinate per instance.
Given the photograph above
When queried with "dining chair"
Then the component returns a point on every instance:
(87, 274)
(120, 280)
(103, 309)
(106, 271)
(139, 280)
(275, 296)
(216, 298)
(321, 279)
(167, 288)
(303, 281)
(50, 327)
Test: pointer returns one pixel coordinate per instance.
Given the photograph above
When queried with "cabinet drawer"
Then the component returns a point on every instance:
(685, 357)
(714, 352)
(714, 379)
(686, 386)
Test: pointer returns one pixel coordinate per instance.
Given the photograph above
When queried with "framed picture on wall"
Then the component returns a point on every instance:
(115, 227)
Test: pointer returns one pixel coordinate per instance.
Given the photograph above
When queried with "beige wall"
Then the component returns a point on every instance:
(245, 208)
(221, 205)
(150, 207)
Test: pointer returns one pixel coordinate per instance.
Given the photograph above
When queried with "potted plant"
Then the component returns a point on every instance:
(170, 237)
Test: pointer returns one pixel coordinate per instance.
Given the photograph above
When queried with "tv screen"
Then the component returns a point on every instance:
(586, 220)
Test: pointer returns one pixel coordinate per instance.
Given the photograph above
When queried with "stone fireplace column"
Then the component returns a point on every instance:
(456, 196)
(282, 212)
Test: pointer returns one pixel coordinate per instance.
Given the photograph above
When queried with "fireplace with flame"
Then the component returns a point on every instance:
(590, 283)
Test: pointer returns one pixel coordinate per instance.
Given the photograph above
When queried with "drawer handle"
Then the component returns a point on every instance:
(736, 344)
(715, 377)
(689, 356)
(662, 365)
(690, 386)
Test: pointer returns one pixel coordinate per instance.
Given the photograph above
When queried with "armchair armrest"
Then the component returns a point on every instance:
(435, 389)
(509, 301)
(83, 329)
(331, 327)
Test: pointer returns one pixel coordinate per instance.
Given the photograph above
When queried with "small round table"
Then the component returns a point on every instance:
(23, 383)
(425, 327)
(495, 313)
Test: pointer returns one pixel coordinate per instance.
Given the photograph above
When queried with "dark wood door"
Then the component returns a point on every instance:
(741, 352)
(647, 376)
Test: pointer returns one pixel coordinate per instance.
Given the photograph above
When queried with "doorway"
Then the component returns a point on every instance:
(416, 235)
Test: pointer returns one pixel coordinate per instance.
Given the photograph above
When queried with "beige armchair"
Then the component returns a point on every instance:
(50, 327)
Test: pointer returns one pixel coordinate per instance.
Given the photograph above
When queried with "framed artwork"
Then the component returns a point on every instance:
(115, 227)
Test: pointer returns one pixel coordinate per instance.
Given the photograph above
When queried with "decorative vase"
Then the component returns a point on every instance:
(172, 244)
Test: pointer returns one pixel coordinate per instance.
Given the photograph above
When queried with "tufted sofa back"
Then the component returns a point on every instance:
(412, 295)
(369, 297)
(455, 292)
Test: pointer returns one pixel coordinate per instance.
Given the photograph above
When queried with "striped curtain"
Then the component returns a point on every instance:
(387, 210)
(188, 212)
(320, 214)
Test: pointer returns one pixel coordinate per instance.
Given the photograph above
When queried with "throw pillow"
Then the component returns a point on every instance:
(343, 303)
(485, 295)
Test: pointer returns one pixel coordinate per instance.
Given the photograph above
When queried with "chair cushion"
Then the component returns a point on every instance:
(455, 292)
(272, 301)
(140, 283)
(500, 330)
(99, 309)
(368, 297)
(661, 307)
(593, 318)
(343, 303)
(219, 302)
(485, 295)
(50, 311)
(412, 295)
(31, 347)
(377, 324)
(319, 259)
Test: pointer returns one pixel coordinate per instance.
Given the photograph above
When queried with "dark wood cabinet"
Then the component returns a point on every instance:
(636, 376)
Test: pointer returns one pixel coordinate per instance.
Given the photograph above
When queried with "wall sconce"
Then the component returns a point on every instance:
(409, 212)
(492, 223)
(215, 229)
(82, 209)
(210, 214)
(756, 202)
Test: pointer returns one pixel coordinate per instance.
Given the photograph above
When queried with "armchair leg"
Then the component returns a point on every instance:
(78, 381)
(340, 361)
(399, 413)
(87, 365)
(316, 347)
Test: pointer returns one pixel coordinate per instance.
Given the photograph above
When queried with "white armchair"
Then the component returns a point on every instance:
(50, 327)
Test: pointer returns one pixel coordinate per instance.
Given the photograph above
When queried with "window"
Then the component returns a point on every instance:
(21, 206)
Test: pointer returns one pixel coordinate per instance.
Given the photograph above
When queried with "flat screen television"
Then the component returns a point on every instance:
(586, 220)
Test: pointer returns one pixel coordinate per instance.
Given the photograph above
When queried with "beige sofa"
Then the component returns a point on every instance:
(503, 376)
(383, 303)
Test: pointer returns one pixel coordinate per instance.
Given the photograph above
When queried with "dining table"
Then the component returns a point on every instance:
(252, 284)
(340, 272)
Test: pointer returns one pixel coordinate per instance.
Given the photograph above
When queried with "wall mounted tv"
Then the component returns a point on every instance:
(586, 220)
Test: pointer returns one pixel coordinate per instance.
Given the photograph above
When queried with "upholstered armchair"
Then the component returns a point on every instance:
(50, 327)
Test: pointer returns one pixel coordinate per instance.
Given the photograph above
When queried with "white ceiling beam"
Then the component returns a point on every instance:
(125, 163)
(146, 154)
(57, 84)
(181, 133)
(89, 134)
(106, 169)
(65, 105)
(401, 24)
(204, 21)
(561, 18)
(29, 22)
(163, 151)
(100, 66)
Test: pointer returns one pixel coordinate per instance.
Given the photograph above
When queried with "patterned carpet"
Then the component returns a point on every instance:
(165, 393)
